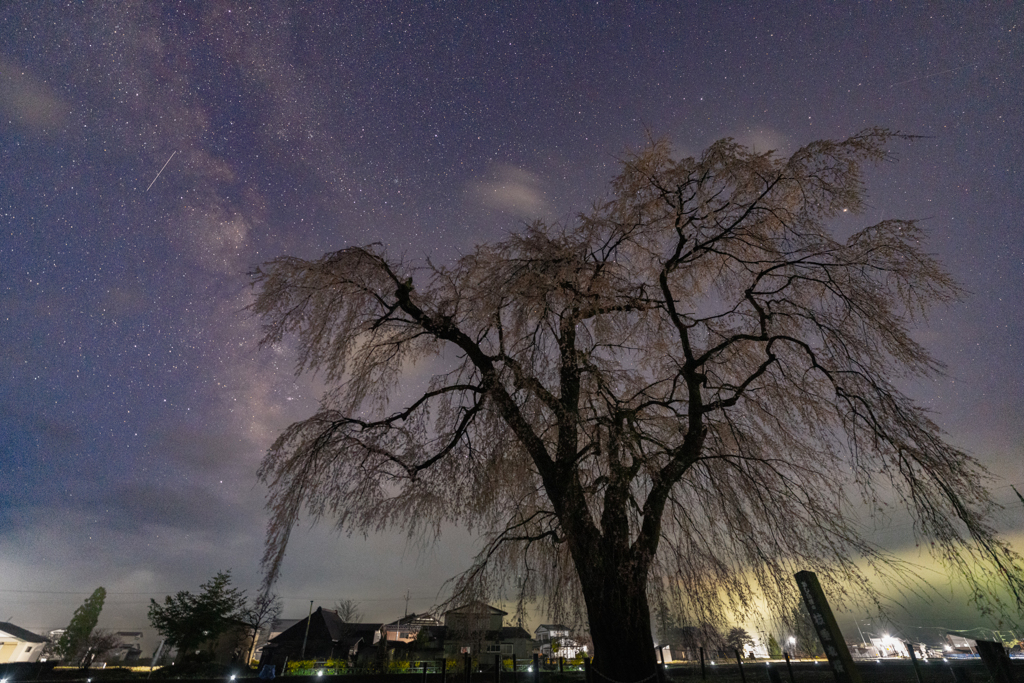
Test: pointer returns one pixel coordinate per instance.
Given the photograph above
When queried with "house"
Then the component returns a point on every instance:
(556, 640)
(129, 647)
(406, 629)
(277, 627)
(472, 618)
(478, 629)
(19, 645)
(321, 636)
(414, 637)
(510, 641)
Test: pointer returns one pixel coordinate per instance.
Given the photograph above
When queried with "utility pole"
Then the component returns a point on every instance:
(406, 602)
(308, 619)
(156, 656)
(862, 641)
(519, 607)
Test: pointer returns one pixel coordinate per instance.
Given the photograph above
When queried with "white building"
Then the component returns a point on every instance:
(556, 640)
(19, 645)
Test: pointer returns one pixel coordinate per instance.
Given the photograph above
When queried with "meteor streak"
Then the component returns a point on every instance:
(162, 168)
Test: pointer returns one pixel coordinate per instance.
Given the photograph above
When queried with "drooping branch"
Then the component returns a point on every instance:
(687, 385)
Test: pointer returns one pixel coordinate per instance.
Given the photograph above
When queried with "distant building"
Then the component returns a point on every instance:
(556, 640)
(407, 628)
(129, 649)
(887, 647)
(960, 644)
(277, 627)
(19, 645)
(477, 628)
(326, 638)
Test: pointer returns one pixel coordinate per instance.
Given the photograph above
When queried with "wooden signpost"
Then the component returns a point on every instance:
(827, 629)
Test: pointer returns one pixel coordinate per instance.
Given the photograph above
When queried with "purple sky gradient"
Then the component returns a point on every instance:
(134, 404)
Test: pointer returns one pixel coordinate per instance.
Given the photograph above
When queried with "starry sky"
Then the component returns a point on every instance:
(152, 153)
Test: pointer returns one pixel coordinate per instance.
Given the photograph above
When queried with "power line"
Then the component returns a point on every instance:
(162, 592)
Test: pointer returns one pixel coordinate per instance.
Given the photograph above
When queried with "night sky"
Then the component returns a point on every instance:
(135, 405)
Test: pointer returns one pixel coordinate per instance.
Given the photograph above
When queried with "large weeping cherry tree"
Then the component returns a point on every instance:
(686, 394)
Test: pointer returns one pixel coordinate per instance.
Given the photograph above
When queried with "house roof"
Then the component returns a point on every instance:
(335, 625)
(553, 627)
(514, 632)
(476, 607)
(21, 634)
(282, 625)
(338, 630)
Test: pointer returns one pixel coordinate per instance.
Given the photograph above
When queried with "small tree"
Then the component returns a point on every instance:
(99, 642)
(676, 392)
(808, 642)
(257, 615)
(348, 610)
(72, 646)
(422, 641)
(189, 620)
(738, 639)
(706, 636)
(774, 651)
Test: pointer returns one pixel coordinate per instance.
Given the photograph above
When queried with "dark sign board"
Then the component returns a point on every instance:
(996, 660)
(828, 631)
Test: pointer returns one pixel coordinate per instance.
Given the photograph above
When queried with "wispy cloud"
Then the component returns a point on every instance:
(511, 190)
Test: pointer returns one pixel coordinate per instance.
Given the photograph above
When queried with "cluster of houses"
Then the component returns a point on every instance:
(21, 646)
(475, 628)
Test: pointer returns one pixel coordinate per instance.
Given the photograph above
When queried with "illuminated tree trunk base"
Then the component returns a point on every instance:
(620, 626)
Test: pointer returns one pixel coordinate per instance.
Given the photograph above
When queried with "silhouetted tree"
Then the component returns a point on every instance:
(348, 610)
(674, 392)
(189, 620)
(257, 615)
(73, 643)
(99, 643)
(738, 639)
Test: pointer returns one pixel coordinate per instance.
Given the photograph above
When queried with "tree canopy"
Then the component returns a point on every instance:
(738, 639)
(188, 620)
(73, 644)
(692, 389)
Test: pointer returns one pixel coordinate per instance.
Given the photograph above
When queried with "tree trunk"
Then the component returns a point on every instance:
(620, 622)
